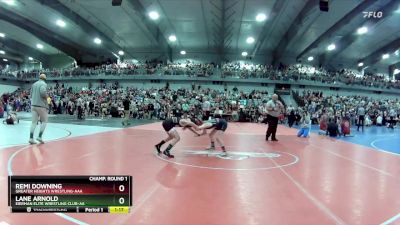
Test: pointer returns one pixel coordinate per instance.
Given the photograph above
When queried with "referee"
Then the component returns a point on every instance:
(274, 107)
(40, 107)
(361, 117)
(127, 112)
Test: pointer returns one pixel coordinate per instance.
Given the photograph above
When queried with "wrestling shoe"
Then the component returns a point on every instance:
(158, 147)
(166, 152)
(40, 140)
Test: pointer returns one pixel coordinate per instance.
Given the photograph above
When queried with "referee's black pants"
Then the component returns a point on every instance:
(272, 126)
(206, 115)
(360, 123)
(392, 122)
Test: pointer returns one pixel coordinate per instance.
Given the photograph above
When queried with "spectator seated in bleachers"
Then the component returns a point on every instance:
(239, 70)
(152, 103)
(378, 110)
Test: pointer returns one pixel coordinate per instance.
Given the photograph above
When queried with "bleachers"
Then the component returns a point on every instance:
(292, 74)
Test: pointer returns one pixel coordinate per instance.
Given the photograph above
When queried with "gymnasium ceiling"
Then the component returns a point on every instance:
(294, 29)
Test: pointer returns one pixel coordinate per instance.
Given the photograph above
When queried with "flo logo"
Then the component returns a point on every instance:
(232, 155)
(373, 14)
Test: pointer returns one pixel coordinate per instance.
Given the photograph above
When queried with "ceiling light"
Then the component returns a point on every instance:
(154, 15)
(331, 47)
(39, 46)
(2, 52)
(121, 52)
(244, 54)
(30, 58)
(360, 64)
(398, 10)
(396, 52)
(362, 30)
(261, 17)
(172, 38)
(385, 56)
(9, 2)
(97, 41)
(5, 60)
(60, 23)
(250, 40)
(2, 35)
(183, 52)
(310, 58)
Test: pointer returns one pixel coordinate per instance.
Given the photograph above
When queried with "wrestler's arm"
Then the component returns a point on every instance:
(195, 132)
(190, 126)
(205, 125)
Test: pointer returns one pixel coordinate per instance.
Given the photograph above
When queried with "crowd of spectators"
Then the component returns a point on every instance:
(126, 68)
(245, 71)
(16, 101)
(106, 69)
(5, 72)
(146, 103)
(378, 111)
(107, 101)
(238, 70)
(298, 72)
(190, 69)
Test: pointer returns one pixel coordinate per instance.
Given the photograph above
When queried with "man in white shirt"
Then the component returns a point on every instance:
(290, 109)
(206, 109)
(274, 108)
(79, 105)
(361, 117)
(379, 120)
(392, 115)
(40, 107)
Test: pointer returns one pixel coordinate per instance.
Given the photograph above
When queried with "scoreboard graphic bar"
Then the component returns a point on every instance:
(70, 194)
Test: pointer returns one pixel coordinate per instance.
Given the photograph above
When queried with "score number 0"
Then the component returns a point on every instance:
(121, 188)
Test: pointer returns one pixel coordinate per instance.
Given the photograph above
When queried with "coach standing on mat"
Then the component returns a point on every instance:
(40, 107)
(274, 108)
